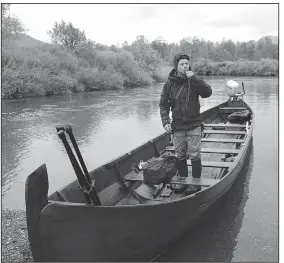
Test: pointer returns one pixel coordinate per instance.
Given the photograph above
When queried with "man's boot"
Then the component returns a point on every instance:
(183, 172)
(196, 173)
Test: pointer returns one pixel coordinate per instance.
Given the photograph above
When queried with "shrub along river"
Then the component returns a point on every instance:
(243, 226)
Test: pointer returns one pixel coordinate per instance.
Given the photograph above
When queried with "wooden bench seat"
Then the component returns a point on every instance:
(213, 164)
(133, 176)
(233, 108)
(222, 140)
(224, 132)
(217, 125)
(210, 150)
(175, 180)
(218, 150)
(195, 181)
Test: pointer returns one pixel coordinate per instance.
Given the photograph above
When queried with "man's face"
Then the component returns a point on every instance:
(183, 66)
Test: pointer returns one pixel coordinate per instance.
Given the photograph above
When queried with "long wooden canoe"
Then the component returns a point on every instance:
(129, 227)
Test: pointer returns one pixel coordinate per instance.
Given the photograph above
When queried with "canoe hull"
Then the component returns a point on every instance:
(68, 231)
(102, 234)
(125, 233)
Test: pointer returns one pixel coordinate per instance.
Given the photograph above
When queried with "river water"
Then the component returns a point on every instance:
(243, 226)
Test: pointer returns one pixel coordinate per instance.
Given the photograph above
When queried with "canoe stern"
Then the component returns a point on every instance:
(36, 191)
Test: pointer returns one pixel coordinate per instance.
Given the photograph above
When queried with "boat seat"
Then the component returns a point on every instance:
(224, 132)
(213, 164)
(210, 150)
(217, 125)
(233, 108)
(133, 176)
(222, 140)
(218, 150)
(180, 180)
(195, 181)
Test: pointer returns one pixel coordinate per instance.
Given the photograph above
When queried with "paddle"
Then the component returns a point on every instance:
(88, 189)
(91, 183)
(75, 165)
(68, 130)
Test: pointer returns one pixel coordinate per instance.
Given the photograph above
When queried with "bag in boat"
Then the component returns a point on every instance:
(158, 170)
(240, 116)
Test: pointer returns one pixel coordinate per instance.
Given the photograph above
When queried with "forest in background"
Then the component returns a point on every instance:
(73, 63)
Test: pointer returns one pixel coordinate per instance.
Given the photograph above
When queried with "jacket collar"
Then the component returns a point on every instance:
(173, 76)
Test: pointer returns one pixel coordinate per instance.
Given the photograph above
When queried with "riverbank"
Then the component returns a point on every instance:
(15, 243)
(31, 68)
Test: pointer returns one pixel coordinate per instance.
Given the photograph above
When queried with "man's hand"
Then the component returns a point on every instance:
(168, 128)
(189, 74)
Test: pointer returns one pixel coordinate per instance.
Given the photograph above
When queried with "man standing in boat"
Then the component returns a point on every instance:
(180, 94)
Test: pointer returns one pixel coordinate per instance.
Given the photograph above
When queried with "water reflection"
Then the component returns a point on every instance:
(216, 235)
(106, 124)
(109, 123)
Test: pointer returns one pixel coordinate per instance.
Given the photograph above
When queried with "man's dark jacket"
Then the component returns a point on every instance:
(181, 95)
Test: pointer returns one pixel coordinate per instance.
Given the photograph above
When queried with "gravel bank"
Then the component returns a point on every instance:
(15, 243)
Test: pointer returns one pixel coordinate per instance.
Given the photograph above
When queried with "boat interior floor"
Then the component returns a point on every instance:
(221, 142)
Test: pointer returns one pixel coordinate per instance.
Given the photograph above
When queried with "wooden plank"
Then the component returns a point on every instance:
(194, 181)
(214, 157)
(134, 176)
(218, 150)
(211, 150)
(139, 176)
(233, 108)
(180, 180)
(128, 200)
(213, 164)
(222, 140)
(224, 125)
(224, 132)
(146, 191)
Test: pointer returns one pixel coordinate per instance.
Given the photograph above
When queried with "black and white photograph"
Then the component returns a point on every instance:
(137, 132)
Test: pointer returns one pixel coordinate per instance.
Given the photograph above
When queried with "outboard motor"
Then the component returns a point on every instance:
(234, 90)
(236, 94)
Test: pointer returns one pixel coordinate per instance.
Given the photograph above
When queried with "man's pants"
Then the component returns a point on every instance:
(187, 144)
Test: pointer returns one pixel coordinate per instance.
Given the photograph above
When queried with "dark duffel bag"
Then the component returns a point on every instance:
(240, 116)
(160, 169)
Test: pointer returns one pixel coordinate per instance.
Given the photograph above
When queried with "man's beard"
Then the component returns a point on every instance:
(181, 73)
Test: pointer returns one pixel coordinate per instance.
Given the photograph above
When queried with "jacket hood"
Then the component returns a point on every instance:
(173, 76)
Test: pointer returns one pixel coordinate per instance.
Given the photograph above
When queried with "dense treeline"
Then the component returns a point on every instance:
(74, 63)
(227, 50)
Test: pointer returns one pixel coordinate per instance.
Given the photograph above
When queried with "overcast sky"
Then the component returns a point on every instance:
(116, 23)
